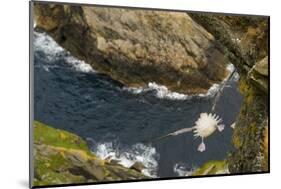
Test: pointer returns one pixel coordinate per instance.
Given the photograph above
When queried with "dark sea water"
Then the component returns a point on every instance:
(116, 121)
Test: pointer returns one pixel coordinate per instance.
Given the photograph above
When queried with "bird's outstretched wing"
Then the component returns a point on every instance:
(178, 132)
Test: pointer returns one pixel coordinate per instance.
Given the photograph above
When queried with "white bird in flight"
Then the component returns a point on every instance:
(204, 127)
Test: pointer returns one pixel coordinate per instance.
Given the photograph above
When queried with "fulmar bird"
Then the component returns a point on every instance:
(204, 127)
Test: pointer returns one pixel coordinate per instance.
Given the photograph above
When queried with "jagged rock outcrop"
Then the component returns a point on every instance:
(212, 168)
(61, 157)
(173, 49)
(259, 74)
(136, 47)
(244, 39)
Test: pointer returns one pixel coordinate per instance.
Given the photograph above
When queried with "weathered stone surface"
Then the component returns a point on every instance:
(244, 39)
(249, 154)
(138, 166)
(136, 47)
(259, 74)
(262, 67)
(212, 168)
(59, 159)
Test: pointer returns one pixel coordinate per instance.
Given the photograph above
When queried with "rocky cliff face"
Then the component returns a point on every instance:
(177, 50)
(245, 41)
(136, 47)
(61, 157)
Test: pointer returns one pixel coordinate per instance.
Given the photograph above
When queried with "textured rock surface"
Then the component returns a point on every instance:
(244, 39)
(212, 168)
(245, 42)
(64, 158)
(250, 153)
(136, 47)
(259, 74)
(138, 166)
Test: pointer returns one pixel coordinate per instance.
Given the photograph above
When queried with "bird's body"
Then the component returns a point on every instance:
(205, 126)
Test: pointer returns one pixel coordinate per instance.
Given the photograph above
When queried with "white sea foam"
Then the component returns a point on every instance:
(163, 92)
(139, 152)
(182, 170)
(52, 51)
(230, 67)
(44, 43)
(79, 65)
(135, 90)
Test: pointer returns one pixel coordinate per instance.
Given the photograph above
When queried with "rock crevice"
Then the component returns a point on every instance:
(61, 157)
(244, 39)
(136, 47)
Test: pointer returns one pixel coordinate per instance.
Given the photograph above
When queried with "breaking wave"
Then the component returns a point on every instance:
(183, 170)
(52, 52)
(127, 156)
(44, 43)
(79, 65)
(163, 92)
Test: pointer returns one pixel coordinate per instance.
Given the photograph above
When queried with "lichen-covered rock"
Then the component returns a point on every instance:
(64, 158)
(212, 168)
(249, 136)
(171, 48)
(259, 74)
(244, 39)
(136, 47)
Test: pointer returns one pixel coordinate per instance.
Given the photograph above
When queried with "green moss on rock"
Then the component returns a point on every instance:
(55, 137)
(61, 157)
(212, 168)
(244, 40)
(248, 138)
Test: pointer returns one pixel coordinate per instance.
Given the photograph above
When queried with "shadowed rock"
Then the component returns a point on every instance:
(244, 39)
(136, 47)
(58, 159)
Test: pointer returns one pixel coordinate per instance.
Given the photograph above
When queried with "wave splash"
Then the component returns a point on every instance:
(127, 156)
(53, 52)
(163, 92)
(44, 43)
(183, 170)
(79, 65)
(160, 91)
